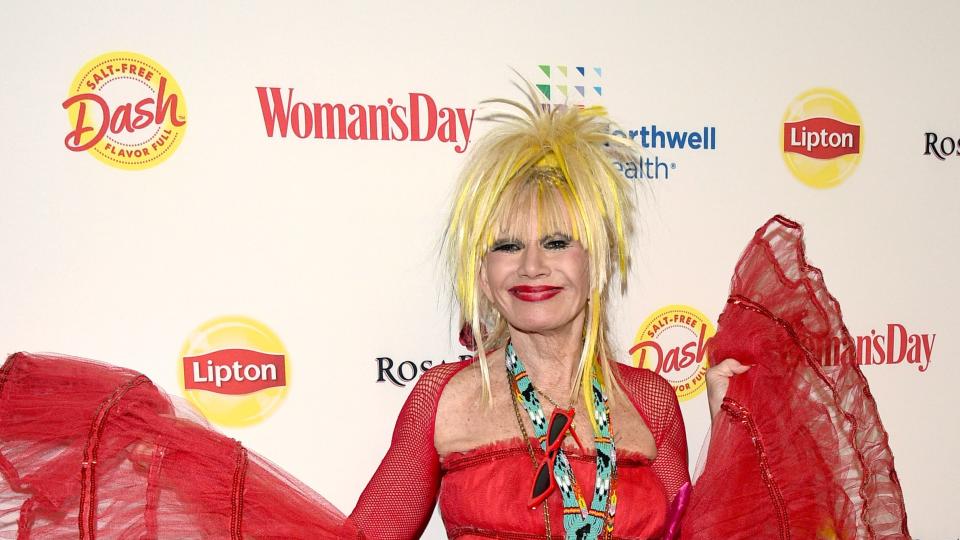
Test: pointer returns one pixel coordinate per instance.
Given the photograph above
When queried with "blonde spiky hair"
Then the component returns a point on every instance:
(562, 159)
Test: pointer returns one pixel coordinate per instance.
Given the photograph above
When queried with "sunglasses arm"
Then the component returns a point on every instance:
(576, 439)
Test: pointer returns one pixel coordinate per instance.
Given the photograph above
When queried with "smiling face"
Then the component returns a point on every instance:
(535, 273)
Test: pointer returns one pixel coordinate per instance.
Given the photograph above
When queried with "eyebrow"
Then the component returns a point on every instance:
(514, 240)
(558, 234)
(502, 239)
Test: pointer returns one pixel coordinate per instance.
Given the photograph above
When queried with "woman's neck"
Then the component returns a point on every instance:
(551, 359)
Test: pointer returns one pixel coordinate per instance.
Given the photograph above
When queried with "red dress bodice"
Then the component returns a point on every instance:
(483, 491)
(482, 494)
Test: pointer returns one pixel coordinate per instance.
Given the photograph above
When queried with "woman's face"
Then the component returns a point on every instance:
(539, 282)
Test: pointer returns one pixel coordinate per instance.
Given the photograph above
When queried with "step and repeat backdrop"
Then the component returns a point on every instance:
(245, 201)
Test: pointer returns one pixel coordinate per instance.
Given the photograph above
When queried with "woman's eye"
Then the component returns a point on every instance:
(560, 243)
(506, 247)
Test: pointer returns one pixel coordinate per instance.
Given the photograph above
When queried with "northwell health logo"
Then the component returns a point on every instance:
(581, 81)
(580, 86)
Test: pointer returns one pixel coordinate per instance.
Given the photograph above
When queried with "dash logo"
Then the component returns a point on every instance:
(126, 110)
(672, 342)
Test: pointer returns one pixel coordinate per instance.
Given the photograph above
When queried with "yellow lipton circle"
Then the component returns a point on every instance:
(822, 103)
(126, 110)
(672, 342)
(224, 336)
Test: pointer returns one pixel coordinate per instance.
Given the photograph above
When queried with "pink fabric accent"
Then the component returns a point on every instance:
(677, 509)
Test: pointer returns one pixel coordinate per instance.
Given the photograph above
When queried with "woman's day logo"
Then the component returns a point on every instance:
(126, 110)
(822, 137)
(672, 342)
(235, 370)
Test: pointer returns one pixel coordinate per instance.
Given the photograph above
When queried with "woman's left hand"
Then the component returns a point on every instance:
(718, 379)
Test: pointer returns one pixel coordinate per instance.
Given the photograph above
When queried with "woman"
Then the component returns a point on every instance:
(540, 227)
(543, 434)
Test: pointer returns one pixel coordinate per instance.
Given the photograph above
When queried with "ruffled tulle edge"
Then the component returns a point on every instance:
(811, 281)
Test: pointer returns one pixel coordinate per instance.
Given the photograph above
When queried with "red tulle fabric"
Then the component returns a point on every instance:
(97, 451)
(92, 450)
(798, 450)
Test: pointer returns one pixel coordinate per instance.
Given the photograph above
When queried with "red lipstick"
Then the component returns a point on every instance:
(535, 293)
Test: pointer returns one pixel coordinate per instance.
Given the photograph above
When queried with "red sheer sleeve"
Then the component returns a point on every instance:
(398, 501)
(656, 400)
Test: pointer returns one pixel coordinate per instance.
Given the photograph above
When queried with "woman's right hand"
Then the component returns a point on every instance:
(718, 380)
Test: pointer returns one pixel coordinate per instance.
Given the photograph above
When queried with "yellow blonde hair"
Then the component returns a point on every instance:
(561, 159)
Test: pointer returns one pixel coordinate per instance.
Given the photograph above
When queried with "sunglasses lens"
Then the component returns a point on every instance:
(558, 425)
(542, 483)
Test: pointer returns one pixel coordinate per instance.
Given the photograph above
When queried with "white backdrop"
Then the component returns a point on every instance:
(333, 243)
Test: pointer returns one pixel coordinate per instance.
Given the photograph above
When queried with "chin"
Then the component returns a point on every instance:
(542, 326)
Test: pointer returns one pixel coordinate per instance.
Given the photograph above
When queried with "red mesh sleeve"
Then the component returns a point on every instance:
(657, 402)
(398, 501)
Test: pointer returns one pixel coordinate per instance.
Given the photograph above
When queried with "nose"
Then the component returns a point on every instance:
(533, 263)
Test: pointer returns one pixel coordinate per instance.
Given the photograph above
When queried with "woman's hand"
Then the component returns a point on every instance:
(718, 379)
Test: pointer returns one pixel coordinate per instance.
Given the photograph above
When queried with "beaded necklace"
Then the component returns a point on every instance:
(579, 522)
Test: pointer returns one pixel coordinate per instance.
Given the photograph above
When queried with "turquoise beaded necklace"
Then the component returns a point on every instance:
(579, 522)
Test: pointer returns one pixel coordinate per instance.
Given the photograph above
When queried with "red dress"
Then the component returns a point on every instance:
(480, 495)
(799, 452)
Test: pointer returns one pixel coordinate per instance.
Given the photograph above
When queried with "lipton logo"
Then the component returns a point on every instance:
(672, 342)
(126, 110)
(822, 137)
(235, 370)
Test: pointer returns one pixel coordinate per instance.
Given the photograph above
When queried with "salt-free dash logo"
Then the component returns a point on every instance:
(672, 342)
(126, 110)
(822, 136)
(235, 370)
